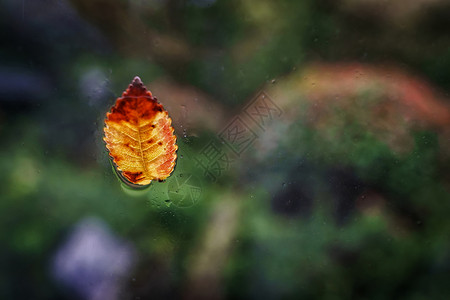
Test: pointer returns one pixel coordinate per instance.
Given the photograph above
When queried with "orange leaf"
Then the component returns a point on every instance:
(139, 136)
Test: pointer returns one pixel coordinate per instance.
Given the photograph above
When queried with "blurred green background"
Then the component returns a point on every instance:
(344, 194)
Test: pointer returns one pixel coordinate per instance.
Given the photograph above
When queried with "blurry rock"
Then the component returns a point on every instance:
(93, 262)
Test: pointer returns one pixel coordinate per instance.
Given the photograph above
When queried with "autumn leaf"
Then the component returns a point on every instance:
(139, 136)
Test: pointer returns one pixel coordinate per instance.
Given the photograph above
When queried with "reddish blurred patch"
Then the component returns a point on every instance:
(418, 99)
(386, 101)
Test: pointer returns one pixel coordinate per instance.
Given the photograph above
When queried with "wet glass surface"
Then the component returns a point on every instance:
(313, 150)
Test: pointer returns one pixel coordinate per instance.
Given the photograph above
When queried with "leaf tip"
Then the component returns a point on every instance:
(137, 81)
(136, 88)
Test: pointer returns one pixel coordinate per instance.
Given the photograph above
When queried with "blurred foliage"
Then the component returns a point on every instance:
(336, 209)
